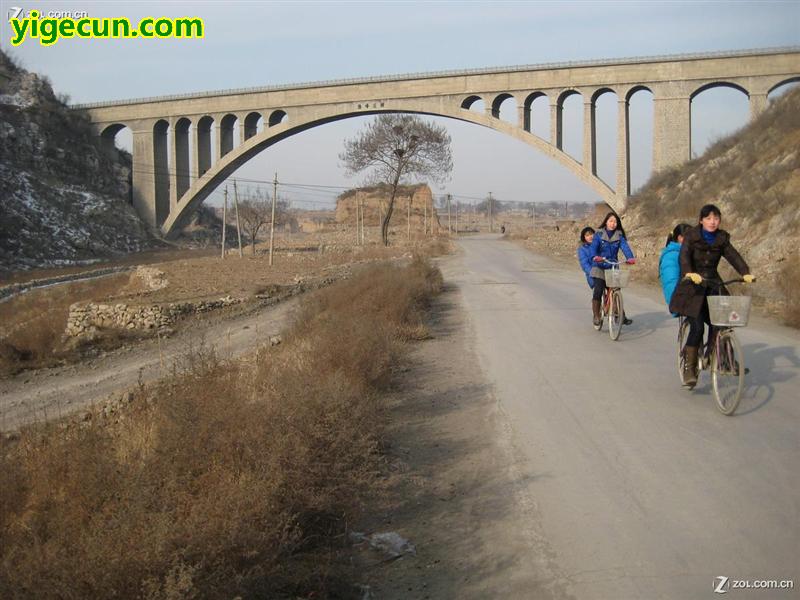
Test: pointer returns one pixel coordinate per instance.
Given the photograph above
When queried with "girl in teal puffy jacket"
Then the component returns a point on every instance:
(669, 268)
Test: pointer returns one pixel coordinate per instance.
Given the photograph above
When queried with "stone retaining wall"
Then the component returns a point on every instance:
(85, 318)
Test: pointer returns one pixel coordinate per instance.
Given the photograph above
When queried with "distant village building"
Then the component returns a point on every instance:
(375, 201)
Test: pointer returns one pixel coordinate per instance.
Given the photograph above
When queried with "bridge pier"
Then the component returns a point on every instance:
(758, 104)
(589, 137)
(623, 185)
(672, 129)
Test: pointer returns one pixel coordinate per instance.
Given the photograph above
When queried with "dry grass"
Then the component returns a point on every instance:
(790, 286)
(229, 479)
(33, 323)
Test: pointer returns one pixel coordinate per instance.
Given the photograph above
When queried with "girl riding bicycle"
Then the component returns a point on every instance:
(702, 249)
(669, 267)
(606, 244)
(585, 253)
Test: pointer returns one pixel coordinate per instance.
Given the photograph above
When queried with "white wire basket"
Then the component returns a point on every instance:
(729, 311)
(617, 278)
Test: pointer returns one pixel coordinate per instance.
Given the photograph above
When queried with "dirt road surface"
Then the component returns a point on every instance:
(637, 488)
(536, 458)
(50, 393)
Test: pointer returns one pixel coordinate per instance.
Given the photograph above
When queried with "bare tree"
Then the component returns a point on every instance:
(255, 211)
(395, 147)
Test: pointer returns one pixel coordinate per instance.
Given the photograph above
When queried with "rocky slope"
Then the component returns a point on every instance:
(754, 177)
(62, 199)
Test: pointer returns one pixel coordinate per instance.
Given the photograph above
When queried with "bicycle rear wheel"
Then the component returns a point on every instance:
(615, 315)
(683, 333)
(727, 372)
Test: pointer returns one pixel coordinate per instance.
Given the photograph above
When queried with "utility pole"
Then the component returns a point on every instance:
(224, 219)
(408, 218)
(449, 218)
(491, 215)
(358, 221)
(238, 223)
(425, 221)
(272, 223)
(457, 205)
(363, 236)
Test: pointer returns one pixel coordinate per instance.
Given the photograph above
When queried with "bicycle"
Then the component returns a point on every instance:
(612, 306)
(725, 358)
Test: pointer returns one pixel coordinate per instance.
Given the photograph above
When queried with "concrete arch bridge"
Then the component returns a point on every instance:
(170, 180)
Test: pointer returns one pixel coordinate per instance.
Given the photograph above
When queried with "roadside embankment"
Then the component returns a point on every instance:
(235, 478)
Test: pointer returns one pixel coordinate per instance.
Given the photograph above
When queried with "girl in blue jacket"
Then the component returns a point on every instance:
(669, 269)
(585, 253)
(607, 242)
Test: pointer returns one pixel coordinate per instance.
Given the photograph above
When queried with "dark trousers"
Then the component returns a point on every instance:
(697, 327)
(599, 288)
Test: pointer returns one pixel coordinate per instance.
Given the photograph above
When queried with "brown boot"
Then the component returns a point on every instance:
(690, 366)
(597, 316)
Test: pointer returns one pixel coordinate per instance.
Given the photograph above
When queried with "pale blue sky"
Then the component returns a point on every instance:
(263, 43)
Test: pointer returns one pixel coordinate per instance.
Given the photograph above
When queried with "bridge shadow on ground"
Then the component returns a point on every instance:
(453, 485)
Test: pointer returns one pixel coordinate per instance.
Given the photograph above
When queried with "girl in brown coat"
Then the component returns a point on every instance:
(703, 247)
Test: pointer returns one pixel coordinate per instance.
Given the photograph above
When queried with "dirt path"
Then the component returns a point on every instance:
(459, 490)
(48, 393)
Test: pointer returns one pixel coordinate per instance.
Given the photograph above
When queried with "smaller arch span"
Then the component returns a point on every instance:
(277, 117)
(498, 101)
(251, 124)
(784, 82)
(718, 84)
(469, 101)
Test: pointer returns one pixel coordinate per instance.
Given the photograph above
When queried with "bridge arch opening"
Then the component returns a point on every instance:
(569, 124)
(605, 116)
(277, 117)
(570, 179)
(640, 130)
(537, 115)
(116, 142)
(205, 144)
(780, 89)
(504, 108)
(183, 153)
(474, 103)
(717, 110)
(253, 125)
(228, 127)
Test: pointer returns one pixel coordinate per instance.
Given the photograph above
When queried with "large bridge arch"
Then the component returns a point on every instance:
(234, 159)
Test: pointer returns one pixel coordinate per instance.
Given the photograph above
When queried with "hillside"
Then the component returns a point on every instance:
(62, 199)
(754, 177)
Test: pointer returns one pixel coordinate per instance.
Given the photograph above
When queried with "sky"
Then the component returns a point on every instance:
(258, 43)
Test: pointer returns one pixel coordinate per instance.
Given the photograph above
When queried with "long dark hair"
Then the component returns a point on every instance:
(619, 223)
(680, 229)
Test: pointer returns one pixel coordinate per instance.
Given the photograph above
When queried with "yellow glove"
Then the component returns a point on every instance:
(695, 277)
(748, 278)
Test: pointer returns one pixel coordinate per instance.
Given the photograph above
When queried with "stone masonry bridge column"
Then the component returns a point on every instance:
(555, 123)
(758, 104)
(144, 186)
(589, 136)
(672, 126)
(623, 186)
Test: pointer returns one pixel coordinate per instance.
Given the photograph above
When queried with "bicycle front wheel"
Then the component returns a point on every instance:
(727, 372)
(683, 333)
(615, 315)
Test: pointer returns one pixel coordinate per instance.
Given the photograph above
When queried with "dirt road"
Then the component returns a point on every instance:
(49, 393)
(641, 489)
